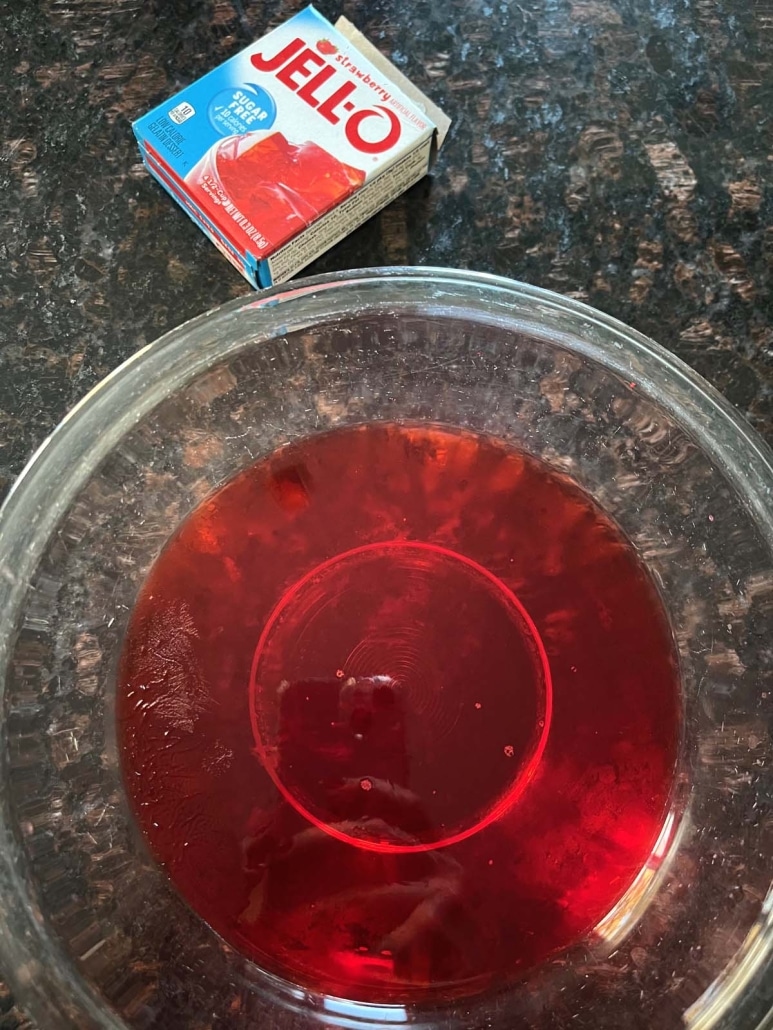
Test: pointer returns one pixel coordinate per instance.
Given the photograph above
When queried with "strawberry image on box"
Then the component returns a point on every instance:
(290, 145)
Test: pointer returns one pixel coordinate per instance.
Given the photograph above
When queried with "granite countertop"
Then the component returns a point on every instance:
(615, 151)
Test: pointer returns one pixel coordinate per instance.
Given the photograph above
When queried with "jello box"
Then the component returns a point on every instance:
(290, 145)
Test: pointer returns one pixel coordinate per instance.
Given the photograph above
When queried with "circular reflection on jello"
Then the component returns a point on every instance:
(401, 696)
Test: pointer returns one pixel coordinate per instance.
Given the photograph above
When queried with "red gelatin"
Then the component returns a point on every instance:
(281, 187)
(398, 712)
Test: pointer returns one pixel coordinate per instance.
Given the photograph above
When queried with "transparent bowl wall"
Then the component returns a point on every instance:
(92, 934)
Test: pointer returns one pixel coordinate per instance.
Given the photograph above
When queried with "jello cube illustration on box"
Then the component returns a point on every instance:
(284, 186)
(291, 144)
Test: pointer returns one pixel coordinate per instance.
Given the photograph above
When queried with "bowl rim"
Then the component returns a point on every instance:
(138, 384)
(685, 386)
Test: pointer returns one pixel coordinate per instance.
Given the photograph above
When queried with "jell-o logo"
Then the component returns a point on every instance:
(308, 74)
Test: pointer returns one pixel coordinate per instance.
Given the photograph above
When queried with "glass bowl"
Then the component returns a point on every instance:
(93, 935)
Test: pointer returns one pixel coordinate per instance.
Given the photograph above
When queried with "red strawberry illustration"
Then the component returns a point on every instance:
(326, 47)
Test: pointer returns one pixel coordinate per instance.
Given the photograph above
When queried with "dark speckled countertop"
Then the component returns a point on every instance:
(618, 151)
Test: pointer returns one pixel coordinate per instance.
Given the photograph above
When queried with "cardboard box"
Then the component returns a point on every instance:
(291, 144)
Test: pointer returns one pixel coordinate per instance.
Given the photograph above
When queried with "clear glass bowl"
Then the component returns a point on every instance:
(92, 933)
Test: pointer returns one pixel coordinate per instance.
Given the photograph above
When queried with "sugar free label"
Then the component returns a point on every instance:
(232, 112)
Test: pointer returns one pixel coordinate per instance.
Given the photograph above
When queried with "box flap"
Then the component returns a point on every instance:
(441, 120)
